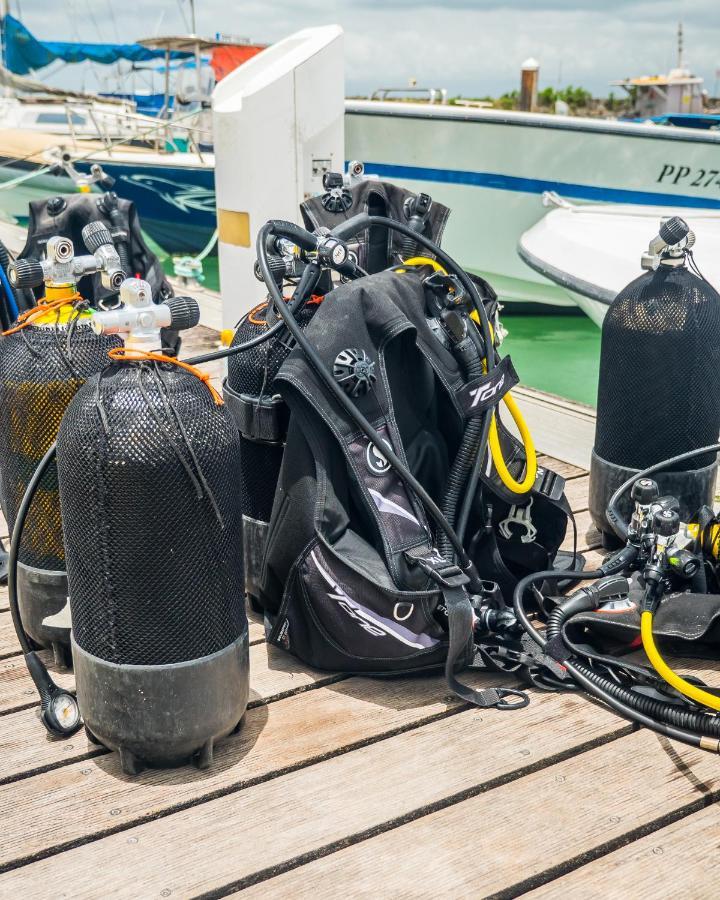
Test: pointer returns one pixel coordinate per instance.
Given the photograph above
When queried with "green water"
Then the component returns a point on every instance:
(557, 354)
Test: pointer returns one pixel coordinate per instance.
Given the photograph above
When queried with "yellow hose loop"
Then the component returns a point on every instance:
(664, 671)
(517, 487)
(423, 261)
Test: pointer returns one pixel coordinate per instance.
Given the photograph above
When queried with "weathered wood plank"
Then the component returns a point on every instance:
(25, 747)
(75, 802)
(588, 535)
(274, 673)
(576, 492)
(16, 687)
(480, 846)
(9, 645)
(567, 470)
(214, 844)
(684, 855)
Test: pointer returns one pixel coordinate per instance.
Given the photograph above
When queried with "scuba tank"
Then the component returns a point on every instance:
(259, 411)
(659, 386)
(148, 462)
(44, 359)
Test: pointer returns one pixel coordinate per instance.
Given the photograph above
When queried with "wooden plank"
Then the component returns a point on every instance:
(566, 469)
(74, 802)
(212, 845)
(684, 855)
(25, 747)
(16, 687)
(476, 847)
(588, 535)
(9, 645)
(274, 673)
(576, 492)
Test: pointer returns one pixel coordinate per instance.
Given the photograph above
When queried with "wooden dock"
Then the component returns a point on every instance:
(352, 787)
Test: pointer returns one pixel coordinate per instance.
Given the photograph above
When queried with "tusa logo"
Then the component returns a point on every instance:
(486, 392)
(376, 460)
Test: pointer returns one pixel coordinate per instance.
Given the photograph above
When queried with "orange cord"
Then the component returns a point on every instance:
(314, 300)
(30, 315)
(123, 354)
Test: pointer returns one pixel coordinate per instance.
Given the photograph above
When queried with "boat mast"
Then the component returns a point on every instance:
(4, 11)
(680, 46)
(197, 47)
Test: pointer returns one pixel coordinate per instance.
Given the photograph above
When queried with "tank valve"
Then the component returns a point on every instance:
(140, 320)
(62, 268)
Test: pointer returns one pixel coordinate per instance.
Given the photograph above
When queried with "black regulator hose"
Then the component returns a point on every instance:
(305, 287)
(342, 398)
(468, 452)
(58, 708)
(685, 725)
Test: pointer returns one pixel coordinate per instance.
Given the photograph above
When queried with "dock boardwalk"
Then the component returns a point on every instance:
(348, 786)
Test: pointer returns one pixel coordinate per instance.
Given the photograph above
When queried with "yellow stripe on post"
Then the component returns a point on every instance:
(234, 227)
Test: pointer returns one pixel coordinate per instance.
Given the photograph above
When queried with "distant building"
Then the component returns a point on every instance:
(659, 95)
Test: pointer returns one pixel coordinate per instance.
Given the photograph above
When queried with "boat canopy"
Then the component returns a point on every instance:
(25, 53)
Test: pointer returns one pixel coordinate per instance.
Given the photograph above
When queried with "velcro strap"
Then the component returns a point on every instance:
(259, 418)
(487, 390)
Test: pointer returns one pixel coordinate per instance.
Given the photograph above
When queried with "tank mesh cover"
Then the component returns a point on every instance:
(148, 468)
(659, 388)
(41, 368)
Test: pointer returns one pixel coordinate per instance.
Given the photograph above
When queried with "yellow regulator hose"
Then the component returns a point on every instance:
(664, 671)
(517, 487)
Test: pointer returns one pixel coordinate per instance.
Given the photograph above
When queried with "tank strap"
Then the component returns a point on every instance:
(123, 354)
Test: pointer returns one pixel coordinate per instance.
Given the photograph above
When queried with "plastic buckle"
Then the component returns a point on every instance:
(549, 484)
(448, 290)
(445, 574)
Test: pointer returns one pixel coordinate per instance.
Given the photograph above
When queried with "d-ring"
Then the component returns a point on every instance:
(520, 703)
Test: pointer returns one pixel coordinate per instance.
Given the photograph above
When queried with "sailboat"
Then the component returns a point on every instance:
(162, 162)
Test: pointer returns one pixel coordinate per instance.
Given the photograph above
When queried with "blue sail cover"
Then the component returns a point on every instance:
(24, 52)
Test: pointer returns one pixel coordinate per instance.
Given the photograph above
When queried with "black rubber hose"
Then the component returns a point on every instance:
(15, 547)
(305, 287)
(349, 407)
(21, 299)
(683, 725)
(467, 452)
(124, 254)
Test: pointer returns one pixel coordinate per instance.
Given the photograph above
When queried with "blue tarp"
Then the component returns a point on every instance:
(24, 53)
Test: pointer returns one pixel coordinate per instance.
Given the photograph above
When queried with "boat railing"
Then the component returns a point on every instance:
(430, 95)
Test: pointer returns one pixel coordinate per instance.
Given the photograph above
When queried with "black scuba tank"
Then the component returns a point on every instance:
(148, 463)
(42, 365)
(659, 386)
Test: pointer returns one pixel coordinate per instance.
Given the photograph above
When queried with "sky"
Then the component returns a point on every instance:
(470, 47)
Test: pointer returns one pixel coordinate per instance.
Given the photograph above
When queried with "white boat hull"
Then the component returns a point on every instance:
(491, 168)
(592, 252)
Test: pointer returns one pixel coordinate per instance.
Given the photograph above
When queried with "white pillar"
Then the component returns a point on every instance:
(278, 123)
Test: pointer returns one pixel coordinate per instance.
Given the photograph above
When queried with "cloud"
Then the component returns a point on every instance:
(473, 47)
